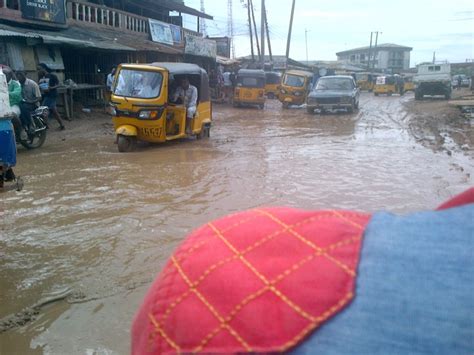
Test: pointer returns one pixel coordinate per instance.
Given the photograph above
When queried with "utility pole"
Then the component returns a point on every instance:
(268, 36)
(369, 60)
(434, 57)
(289, 31)
(262, 34)
(230, 27)
(255, 29)
(202, 27)
(250, 30)
(306, 40)
(375, 48)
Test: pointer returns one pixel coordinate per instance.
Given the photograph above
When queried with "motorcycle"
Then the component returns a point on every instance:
(36, 136)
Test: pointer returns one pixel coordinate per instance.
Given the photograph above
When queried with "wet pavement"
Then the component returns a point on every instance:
(82, 242)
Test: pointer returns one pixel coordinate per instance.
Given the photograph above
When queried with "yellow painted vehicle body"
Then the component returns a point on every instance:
(385, 85)
(294, 87)
(409, 85)
(250, 88)
(141, 108)
(272, 84)
(365, 81)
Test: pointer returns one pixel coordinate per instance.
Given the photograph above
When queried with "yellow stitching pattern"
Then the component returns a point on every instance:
(319, 319)
(256, 294)
(209, 306)
(163, 334)
(233, 257)
(295, 307)
(269, 286)
(309, 243)
(341, 216)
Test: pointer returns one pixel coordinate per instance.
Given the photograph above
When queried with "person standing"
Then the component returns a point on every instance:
(49, 84)
(31, 95)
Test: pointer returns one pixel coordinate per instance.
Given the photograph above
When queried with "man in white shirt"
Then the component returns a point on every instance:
(187, 94)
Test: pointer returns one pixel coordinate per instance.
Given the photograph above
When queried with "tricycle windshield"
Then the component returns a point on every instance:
(140, 84)
(293, 80)
(334, 84)
(250, 82)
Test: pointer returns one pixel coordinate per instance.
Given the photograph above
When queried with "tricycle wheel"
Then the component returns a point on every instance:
(285, 105)
(126, 143)
(261, 107)
(310, 110)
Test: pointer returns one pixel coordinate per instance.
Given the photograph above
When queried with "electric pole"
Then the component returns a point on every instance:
(250, 30)
(306, 40)
(369, 60)
(262, 34)
(230, 27)
(255, 30)
(375, 48)
(202, 27)
(289, 31)
(268, 36)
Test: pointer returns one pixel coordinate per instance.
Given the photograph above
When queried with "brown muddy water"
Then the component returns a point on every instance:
(82, 242)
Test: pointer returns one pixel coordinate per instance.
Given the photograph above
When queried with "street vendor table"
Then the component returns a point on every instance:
(68, 95)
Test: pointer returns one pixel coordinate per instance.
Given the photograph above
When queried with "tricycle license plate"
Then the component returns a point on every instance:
(151, 132)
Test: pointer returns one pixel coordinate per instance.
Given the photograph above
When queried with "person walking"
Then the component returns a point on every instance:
(49, 84)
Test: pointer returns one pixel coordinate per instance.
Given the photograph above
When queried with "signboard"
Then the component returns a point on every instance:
(53, 11)
(223, 46)
(176, 33)
(200, 46)
(160, 32)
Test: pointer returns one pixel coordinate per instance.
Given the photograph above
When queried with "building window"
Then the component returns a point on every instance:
(353, 58)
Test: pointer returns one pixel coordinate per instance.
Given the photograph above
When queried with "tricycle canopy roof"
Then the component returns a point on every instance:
(254, 73)
(299, 72)
(174, 68)
(180, 68)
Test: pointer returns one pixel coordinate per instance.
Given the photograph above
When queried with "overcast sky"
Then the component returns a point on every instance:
(446, 27)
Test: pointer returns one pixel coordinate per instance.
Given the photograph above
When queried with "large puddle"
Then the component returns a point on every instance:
(100, 224)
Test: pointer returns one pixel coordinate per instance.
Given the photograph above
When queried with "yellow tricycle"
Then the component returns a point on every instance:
(160, 102)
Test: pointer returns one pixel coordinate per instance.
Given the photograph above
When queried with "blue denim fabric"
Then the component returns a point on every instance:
(415, 289)
(7, 144)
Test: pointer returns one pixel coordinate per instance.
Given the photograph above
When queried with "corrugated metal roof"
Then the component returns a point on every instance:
(84, 37)
(379, 47)
(8, 33)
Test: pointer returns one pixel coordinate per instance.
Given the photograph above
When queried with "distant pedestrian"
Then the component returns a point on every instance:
(459, 82)
(49, 84)
(110, 79)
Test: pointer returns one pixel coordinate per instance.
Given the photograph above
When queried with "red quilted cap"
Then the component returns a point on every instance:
(258, 281)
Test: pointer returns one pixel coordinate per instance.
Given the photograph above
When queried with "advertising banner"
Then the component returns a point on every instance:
(176, 33)
(160, 32)
(200, 46)
(223, 46)
(53, 11)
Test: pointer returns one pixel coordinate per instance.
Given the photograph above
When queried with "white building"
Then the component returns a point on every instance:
(388, 56)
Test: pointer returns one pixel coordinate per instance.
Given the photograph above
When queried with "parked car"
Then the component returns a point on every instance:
(334, 92)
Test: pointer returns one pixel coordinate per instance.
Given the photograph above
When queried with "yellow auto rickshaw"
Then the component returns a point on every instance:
(409, 85)
(142, 107)
(272, 83)
(294, 87)
(250, 88)
(365, 81)
(385, 85)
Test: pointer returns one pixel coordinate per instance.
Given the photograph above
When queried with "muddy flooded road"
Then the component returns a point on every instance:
(82, 242)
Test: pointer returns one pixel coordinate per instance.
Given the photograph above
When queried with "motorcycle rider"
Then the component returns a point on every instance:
(31, 95)
(14, 93)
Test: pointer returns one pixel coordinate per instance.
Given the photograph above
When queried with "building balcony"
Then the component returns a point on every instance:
(86, 14)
